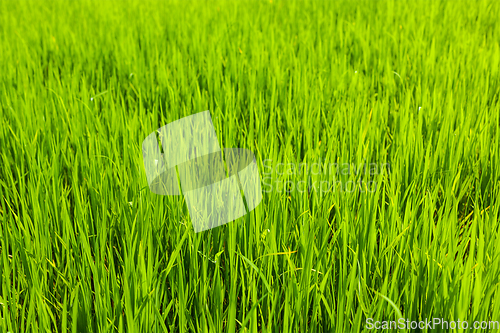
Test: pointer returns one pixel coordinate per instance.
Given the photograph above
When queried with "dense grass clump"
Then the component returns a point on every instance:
(394, 103)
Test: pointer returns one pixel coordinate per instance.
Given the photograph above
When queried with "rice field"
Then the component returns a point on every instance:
(376, 131)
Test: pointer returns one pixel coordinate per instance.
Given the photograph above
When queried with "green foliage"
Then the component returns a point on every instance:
(86, 247)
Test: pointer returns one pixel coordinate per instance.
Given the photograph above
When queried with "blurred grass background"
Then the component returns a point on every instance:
(86, 247)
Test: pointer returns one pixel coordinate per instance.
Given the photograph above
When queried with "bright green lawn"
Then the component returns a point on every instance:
(86, 247)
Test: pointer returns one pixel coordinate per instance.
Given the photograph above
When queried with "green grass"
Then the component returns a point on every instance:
(86, 247)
